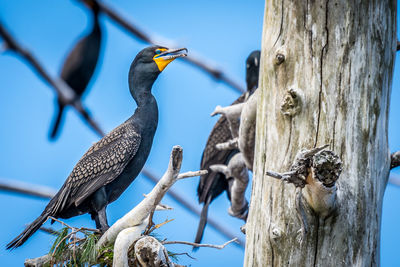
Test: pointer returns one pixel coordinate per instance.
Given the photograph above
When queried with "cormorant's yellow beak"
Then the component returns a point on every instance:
(166, 56)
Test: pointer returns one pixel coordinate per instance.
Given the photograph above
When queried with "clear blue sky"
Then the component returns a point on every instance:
(223, 31)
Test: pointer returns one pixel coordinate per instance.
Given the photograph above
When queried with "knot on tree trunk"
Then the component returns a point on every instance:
(327, 167)
(291, 104)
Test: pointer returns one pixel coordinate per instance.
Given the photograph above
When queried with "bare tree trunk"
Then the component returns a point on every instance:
(325, 78)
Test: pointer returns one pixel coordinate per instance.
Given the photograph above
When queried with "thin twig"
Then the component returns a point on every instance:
(73, 228)
(48, 230)
(184, 253)
(72, 240)
(158, 226)
(64, 93)
(216, 73)
(229, 145)
(200, 245)
(273, 174)
(59, 243)
(192, 174)
(150, 224)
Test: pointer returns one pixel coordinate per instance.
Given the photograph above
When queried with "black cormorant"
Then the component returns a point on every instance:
(111, 164)
(80, 64)
(213, 184)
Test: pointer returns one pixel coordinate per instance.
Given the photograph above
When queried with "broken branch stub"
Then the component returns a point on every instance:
(232, 114)
(317, 170)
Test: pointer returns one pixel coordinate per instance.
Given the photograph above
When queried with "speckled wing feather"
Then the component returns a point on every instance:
(219, 134)
(100, 165)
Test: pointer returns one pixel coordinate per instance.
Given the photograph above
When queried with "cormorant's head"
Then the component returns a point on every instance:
(252, 70)
(148, 64)
(156, 58)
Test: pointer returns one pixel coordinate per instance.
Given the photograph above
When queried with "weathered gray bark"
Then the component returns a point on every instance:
(325, 78)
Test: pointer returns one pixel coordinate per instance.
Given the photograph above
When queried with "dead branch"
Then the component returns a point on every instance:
(191, 174)
(129, 228)
(211, 221)
(200, 245)
(64, 93)
(138, 214)
(192, 59)
(247, 129)
(232, 114)
(26, 189)
(229, 145)
(74, 228)
(237, 171)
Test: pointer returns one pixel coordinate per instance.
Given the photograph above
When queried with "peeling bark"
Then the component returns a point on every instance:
(337, 58)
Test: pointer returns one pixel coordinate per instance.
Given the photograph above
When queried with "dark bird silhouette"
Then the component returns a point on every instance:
(213, 184)
(80, 64)
(111, 164)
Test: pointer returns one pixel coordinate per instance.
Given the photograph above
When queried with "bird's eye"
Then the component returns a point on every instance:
(158, 51)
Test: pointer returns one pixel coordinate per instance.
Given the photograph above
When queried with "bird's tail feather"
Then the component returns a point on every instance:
(203, 222)
(29, 230)
(57, 122)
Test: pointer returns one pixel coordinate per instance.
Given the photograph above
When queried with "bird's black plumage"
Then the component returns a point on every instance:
(213, 184)
(80, 64)
(111, 164)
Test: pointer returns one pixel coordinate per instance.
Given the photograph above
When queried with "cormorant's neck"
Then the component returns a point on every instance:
(140, 84)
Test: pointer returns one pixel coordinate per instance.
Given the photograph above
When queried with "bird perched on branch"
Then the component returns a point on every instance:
(213, 184)
(80, 64)
(111, 164)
